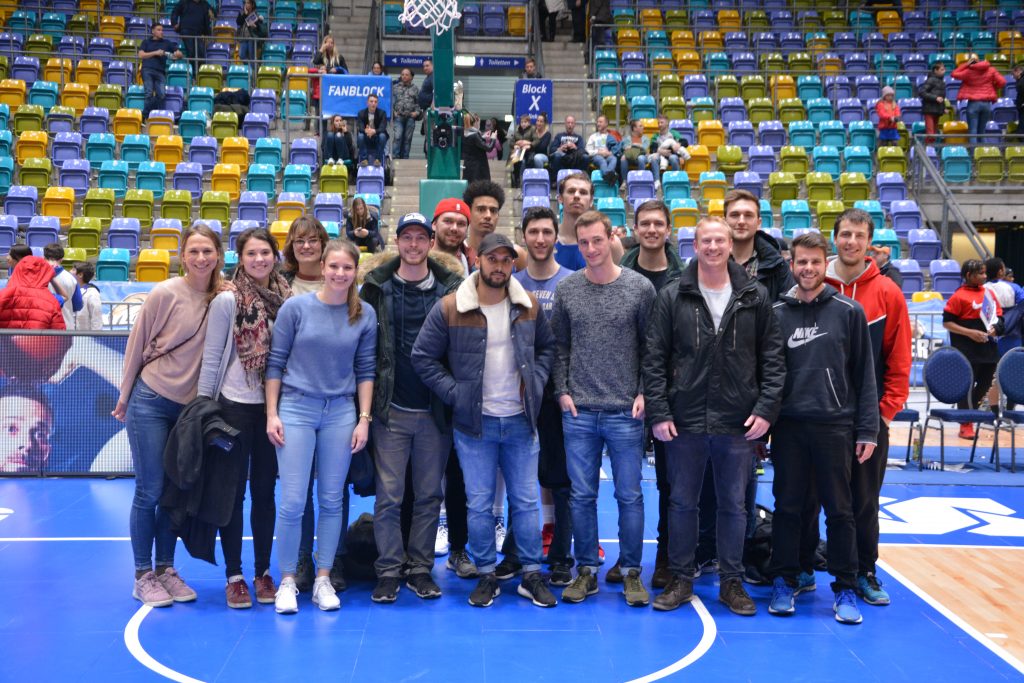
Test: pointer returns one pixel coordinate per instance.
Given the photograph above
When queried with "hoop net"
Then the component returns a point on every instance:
(439, 14)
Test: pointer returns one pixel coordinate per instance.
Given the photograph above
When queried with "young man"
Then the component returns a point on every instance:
(855, 275)
(829, 416)
(405, 111)
(600, 147)
(27, 423)
(91, 315)
(530, 69)
(411, 427)
(600, 310)
(153, 52)
(193, 21)
(576, 196)
(933, 99)
(451, 223)
(486, 350)
(566, 150)
(713, 377)
(753, 248)
(372, 133)
(656, 259)
(633, 153)
(667, 150)
(64, 284)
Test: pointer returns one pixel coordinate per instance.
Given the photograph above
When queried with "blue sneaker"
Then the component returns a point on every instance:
(870, 589)
(846, 608)
(783, 602)
(805, 583)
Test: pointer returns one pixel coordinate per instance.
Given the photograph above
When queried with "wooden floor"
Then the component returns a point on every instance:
(981, 585)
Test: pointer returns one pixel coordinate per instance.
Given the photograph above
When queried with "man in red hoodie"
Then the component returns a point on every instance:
(26, 303)
(855, 275)
(980, 85)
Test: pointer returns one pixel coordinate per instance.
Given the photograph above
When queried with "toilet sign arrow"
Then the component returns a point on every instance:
(5, 513)
(933, 516)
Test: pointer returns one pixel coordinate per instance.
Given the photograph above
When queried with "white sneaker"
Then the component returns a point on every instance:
(441, 542)
(323, 594)
(286, 598)
(499, 532)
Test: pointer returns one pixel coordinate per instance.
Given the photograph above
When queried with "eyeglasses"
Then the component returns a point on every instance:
(311, 242)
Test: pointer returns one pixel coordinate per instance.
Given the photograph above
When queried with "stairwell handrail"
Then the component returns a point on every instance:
(534, 45)
(373, 37)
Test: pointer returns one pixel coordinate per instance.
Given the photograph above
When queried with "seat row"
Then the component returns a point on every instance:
(477, 19)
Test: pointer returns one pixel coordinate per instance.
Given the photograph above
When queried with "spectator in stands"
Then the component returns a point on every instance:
(1018, 76)
(425, 100)
(64, 284)
(338, 147)
(26, 303)
(405, 111)
(567, 149)
(523, 137)
(26, 421)
(537, 155)
(474, 149)
(667, 149)
(193, 21)
(549, 10)
(881, 255)
(327, 60)
(979, 87)
(601, 147)
(233, 372)
(161, 374)
(633, 152)
(302, 250)
(91, 315)
(530, 69)
(311, 407)
(372, 133)
(888, 117)
(17, 252)
(974, 319)
(933, 99)
(153, 52)
(361, 227)
(251, 26)
(377, 69)
(600, 16)
(495, 132)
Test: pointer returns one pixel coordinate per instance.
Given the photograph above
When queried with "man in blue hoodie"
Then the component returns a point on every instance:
(829, 416)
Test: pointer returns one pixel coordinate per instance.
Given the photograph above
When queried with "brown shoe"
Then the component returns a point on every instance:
(736, 599)
(662, 576)
(265, 589)
(238, 595)
(614, 575)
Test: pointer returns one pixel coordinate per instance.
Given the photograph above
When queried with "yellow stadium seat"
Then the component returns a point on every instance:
(699, 161)
(127, 122)
(111, 27)
(955, 129)
(729, 20)
(169, 149)
(153, 265)
(76, 96)
(235, 150)
(32, 143)
(651, 18)
(687, 62)
(517, 20)
(683, 39)
(227, 178)
(12, 92)
(716, 207)
(290, 210)
(919, 297)
(159, 124)
(279, 229)
(711, 134)
(57, 70)
(59, 202)
(89, 72)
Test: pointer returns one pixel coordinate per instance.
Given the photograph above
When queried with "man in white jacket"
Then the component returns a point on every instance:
(600, 146)
(91, 315)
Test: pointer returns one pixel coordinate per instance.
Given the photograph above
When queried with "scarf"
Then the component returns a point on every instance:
(255, 308)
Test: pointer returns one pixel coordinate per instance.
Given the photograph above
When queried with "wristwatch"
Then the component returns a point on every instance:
(369, 418)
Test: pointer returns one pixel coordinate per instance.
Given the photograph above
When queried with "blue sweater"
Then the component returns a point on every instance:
(315, 350)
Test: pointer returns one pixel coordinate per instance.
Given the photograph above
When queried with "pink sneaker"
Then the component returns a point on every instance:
(176, 586)
(149, 591)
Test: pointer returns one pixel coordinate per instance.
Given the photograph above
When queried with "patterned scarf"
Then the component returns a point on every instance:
(255, 308)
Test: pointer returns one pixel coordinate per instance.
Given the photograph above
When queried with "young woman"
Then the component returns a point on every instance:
(251, 25)
(233, 372)
(361, 227)
(338, 147)
(302, 251)
(974, 320)
(537, 155)
(888, 117)
(323, 355)
(161, 373)
(523, 138)
(474, 149)
(327, 60)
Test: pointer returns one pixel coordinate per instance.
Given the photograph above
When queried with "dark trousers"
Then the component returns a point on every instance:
(664, 491)
(983, 374)
(195, 47)
(708, 511)
(549, 24)
(260, 468)
(456, 510)
(811, 457)
(579, 20)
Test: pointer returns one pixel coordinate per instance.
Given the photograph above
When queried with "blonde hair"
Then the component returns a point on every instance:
(355, 304)
(217, 277)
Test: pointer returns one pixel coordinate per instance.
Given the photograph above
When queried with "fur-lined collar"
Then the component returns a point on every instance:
(466, 298)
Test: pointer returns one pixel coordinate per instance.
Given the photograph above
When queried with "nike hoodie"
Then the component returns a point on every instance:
(830, 374)
(889, 327)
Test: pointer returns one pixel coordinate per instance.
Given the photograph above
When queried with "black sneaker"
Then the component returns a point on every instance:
(507, 568)
(486, 590)
(732, 593)
(423, 584)
(561, 575)
(678, 592)
(583, 585)
(534, 588)
(387, 589)
(337, 575)
(614, 575)
(304, 572)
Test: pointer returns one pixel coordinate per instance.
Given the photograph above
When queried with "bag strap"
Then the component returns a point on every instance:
(177, 346)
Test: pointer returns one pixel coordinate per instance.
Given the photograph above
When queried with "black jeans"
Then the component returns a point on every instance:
(456, 510)
(260, 469)
(811, 457)
(664, 493)
(983, 374)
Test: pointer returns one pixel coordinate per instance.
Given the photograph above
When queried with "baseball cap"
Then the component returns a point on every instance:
(493, 242)
(414, 219)
(451, 204)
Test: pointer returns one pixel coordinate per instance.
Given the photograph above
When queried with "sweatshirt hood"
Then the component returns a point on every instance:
(32, 271)
(824, 295)
(850, 288)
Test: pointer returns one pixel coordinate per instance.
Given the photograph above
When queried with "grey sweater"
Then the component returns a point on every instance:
(601, 332)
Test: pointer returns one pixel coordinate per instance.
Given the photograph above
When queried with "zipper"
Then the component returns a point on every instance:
(828, 373)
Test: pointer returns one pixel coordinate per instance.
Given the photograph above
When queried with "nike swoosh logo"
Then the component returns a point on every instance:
(976, 307)
(796, 343)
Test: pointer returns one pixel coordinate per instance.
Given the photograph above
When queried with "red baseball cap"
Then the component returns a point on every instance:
(451, 204)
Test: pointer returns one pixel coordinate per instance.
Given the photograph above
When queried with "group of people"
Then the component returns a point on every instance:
(42, 295)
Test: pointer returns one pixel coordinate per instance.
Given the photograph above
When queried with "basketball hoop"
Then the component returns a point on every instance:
(431, 14)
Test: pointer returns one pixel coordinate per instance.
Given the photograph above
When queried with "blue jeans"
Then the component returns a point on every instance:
(539, 160)
(511, 443)
(153, 82)
(586, 435)
(686, 457)
(149, 421)
(608, 164)
(321, 427)
(374, 148)
(247, 51)
(405, 126)
(978, 115)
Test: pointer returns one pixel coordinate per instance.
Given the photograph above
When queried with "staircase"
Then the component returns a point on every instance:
(347, 23)
(564, 59)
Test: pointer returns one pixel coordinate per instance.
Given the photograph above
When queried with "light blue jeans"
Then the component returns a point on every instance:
(509, 442)
(321, 427)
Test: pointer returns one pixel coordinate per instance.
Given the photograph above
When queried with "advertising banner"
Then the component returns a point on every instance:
(346, 95)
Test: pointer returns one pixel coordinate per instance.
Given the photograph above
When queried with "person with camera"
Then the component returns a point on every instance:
(888, 117)
(251, 25)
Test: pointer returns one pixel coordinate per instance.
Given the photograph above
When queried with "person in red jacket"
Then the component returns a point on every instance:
(26, 303)
(855, 275)
(973, 317)
(888, 117)
(980, 85)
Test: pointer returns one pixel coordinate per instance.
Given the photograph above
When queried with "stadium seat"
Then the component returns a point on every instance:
(227, 178)
(820, 186)
(37, 172)
(782, 186)
(114, 176)
(329, 207)
(59, 202)
(216, 205)
(853, 187)
(153, 265)
(177, 204)
(84, 234)
(796, 215)
(297, 178)
(925, 246)
(166, 234)
(252, 206)
(42, 230)
(113, 265)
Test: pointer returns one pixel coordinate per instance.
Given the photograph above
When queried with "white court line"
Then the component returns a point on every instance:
(953, 617)
(131, 641)
(953, 545)
(706, 640)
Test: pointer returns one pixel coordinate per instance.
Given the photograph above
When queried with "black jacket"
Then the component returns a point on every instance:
(338, 146)
(830, 375)
(474, 156)
(772, 270)
(893, 273)
(258, 30)
(933, 88)
(201, 478)
(193, 18)
(710, 383)
(380, 120)
(376, 291)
